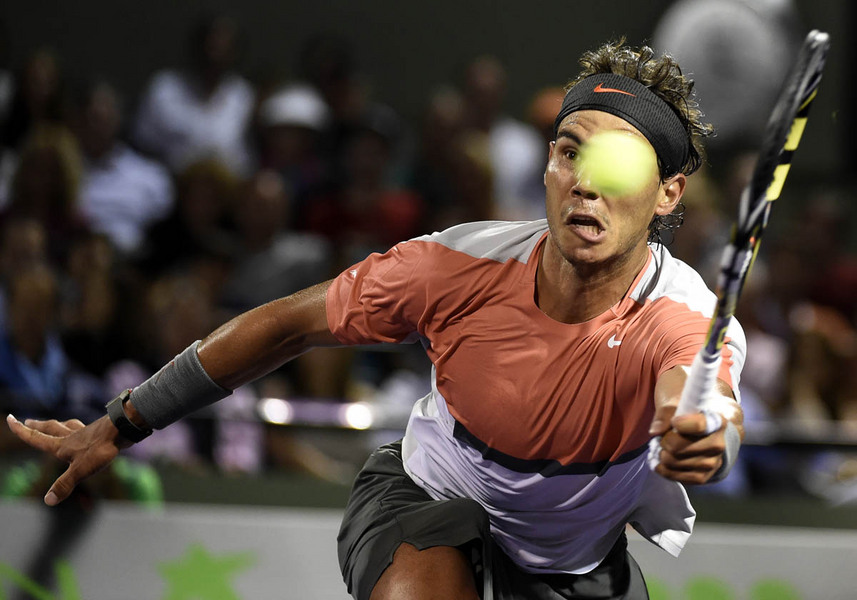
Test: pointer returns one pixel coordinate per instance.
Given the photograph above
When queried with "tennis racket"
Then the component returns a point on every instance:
(782, 135)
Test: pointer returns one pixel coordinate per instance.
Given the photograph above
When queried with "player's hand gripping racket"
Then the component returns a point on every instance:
(782, 135)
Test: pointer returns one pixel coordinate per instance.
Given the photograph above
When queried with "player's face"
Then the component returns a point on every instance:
(586, 226)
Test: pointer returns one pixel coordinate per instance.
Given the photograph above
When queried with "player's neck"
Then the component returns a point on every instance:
(574, 293)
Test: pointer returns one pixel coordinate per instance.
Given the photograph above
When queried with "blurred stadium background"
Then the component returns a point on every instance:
(166, 165)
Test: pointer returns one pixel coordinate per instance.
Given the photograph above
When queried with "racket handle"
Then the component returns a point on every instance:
(701, 383)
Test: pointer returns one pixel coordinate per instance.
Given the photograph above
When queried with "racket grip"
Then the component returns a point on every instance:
(701, 383)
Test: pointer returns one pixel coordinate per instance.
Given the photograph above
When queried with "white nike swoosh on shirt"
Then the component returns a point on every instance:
(613, 342)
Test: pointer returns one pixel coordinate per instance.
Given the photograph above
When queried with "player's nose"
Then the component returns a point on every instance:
(583, 188)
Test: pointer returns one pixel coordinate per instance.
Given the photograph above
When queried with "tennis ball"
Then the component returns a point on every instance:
(616, 163)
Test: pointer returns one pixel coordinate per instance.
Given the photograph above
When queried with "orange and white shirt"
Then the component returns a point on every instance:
(544, 423)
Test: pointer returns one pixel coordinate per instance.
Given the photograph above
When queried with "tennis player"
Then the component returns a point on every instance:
(559, 348)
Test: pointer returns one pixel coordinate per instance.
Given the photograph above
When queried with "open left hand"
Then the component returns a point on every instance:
(86, 448)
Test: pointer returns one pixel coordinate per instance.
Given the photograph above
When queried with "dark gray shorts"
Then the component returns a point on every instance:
(387, 508)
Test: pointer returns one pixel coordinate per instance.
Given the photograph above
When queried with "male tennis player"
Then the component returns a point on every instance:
(559, 348)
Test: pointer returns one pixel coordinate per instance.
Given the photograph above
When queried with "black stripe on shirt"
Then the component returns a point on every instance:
(546, 467)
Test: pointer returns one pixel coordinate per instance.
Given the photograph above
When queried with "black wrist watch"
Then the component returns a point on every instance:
(116, 412)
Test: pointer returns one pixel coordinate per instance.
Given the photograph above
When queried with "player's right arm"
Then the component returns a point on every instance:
(255, 343)
(244, 349)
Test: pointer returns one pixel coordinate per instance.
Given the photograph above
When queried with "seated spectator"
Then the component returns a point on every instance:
(33, 365)
(198, 226)
(516, 149)
(45, 186)
(36, 377)
(37, 98)
(93, 332)
(273, 260)
(203, 112)
(434, 172)
(367, 212)
(292, 122)
(541, 112)
(122, 192)
(23, 245)
(823, 353)
(328, 62)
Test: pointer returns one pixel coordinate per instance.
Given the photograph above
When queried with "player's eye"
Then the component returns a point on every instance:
(567, 148)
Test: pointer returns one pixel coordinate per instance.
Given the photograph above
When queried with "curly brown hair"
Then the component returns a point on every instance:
(663, 76)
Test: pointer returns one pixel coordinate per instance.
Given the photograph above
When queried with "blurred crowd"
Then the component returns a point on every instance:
(130, 227)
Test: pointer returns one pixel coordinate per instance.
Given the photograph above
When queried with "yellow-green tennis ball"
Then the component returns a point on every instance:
(617, 163)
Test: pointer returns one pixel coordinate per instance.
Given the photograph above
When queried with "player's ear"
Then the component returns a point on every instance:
(551, 146)
(672, 189)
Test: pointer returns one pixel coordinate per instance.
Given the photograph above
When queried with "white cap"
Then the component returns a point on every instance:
(298, 105)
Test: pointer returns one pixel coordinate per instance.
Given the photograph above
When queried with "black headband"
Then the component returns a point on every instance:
(631, 100)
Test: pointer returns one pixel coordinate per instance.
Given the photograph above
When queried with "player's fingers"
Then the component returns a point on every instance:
(51, 427)
(682, 446)
(692, 477)
(74, 424)
(34, 438)
(694, 424)
(661, 421)
(701, 464)
(81, 466)
(62, 487)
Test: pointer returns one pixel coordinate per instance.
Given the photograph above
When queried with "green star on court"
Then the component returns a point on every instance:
(198, 575)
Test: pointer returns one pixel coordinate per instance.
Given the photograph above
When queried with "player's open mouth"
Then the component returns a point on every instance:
(585, 226)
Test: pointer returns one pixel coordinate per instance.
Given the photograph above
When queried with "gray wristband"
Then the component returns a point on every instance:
(730, 454)
(181, 387)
